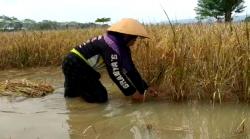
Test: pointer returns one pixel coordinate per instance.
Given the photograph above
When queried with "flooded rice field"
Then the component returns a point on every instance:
(54, 117)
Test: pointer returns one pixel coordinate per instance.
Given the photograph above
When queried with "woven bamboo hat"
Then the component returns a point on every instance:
(129, 26)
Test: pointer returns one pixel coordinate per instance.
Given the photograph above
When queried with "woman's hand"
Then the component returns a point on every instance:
(137, 97)
(151, 91)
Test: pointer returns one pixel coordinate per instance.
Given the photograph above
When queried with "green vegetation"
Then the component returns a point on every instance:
(203, 62)
(219, 9)
(13, 24)
(102, 20)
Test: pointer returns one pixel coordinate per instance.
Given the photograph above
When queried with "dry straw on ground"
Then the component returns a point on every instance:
(24, 88)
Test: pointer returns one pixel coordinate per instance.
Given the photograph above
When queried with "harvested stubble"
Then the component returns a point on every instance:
(24, 88)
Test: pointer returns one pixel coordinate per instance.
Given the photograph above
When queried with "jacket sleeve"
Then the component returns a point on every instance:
(138, 82)
(115, 71)
(135, 77)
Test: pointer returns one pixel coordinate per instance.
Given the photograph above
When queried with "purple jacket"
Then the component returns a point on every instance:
(118, 61)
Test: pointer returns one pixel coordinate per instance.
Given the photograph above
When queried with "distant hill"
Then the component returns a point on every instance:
(240, 18)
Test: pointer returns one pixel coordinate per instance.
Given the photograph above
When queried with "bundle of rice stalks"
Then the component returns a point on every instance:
(24, 88)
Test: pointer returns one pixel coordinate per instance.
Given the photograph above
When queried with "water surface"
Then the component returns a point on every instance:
(54, 117)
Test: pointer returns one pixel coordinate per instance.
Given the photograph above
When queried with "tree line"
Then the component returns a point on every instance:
(220, 10)
(14, 24)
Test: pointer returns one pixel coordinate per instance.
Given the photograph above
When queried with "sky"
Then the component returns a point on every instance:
(85, 11)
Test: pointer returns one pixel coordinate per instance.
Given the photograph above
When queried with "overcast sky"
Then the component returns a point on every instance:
(89, 10)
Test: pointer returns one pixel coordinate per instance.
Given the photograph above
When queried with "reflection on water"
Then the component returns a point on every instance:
(55, 117)
(158, 120)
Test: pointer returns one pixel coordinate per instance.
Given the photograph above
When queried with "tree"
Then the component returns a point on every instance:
(17, 25)
(14, 24)
(5, 17)
(103, 20)
(47, 25)
(28, 24)
(219, 9)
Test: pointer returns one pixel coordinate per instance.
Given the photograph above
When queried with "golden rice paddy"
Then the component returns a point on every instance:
(196, 61)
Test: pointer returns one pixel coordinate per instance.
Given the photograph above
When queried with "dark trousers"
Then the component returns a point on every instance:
(82, 80)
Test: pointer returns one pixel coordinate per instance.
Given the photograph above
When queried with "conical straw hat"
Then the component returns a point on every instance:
(129, 26)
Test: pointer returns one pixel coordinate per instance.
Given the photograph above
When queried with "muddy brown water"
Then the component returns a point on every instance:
(54, 117)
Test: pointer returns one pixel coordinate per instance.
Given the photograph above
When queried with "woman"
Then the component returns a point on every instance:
(112, 50)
